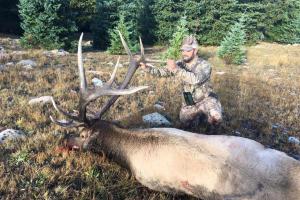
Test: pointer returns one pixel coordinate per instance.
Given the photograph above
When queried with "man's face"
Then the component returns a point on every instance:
(188, 55)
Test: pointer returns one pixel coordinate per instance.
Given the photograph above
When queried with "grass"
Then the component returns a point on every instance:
(260, 101)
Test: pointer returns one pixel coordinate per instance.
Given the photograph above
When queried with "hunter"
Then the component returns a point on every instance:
(194, 73)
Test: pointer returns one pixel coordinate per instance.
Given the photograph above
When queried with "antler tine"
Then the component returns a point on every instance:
(94, 94)
(125, 45)
(142, 50)
(83, 84)
(112, 78)
(133, 65)
(66, 124)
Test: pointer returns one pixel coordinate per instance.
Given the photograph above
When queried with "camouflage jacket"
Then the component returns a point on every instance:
(194, 76)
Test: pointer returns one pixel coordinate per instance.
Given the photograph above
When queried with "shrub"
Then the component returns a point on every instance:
(231, 49)
(173, 51)
(125, 28)
(47, 24)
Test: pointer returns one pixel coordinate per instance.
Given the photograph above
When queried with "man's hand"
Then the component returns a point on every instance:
(171, 65)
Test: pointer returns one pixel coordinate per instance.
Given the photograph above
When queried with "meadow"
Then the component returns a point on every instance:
(261, 101)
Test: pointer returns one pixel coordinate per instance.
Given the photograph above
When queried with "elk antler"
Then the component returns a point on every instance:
(87, 95)
(133, 65)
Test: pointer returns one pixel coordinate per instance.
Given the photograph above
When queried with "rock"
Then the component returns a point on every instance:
(60, 52)
(294, 140)
(27, 63)
(159, 107)
(9, 64)
(2, 49)
(220, 73)
(156, 119)
(40, 100)
(2, 67)
(97, 82)
(11, 134)
(28, 67)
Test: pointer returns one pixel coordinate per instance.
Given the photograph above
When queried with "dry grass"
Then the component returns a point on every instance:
(255, 96)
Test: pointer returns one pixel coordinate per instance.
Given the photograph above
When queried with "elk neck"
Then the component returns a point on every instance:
(119, 143)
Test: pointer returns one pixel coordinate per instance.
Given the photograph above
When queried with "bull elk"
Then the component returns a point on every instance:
(171, 160)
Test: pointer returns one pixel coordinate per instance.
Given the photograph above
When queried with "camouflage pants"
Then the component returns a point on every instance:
(209, 106)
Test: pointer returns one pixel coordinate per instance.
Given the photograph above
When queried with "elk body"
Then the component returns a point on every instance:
(212, 167)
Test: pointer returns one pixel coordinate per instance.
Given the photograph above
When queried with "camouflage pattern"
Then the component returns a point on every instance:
(195, 78)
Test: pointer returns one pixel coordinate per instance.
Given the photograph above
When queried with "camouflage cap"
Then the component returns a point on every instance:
(189, 43)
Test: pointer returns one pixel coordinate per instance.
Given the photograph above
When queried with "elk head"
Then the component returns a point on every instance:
(87, 95)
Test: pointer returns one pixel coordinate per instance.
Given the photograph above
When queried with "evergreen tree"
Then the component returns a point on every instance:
(125, 28)
(107, 16)
(173, 51)
(281, 20)
(47, 23)
(231, 49)
(84, 13)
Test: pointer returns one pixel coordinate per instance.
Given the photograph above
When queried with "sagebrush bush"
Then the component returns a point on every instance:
(47, 24)
(231, 49)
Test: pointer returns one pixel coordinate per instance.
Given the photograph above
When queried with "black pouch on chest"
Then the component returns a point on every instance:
(188, 98)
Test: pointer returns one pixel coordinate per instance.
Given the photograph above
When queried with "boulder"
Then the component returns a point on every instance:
(156, 119)
(11, 134)
(294, 140)
(97, 82)
(27, 64)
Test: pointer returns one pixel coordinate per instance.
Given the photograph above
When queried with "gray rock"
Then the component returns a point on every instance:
(27, 63)
(28, 67)
(40, 100)
(2, 67)
(159, 107)
(11, 134)
(156, 119)
(97, 82)
(294, 140)
(60, 52)
(9, 64)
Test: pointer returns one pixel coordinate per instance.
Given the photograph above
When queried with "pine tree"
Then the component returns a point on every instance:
(173, 51)
(125, 28)
(107, 16)
(84, 13)
(231, 49)
(47, 23)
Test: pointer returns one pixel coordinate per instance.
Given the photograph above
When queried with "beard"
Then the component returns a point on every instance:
(188, 59)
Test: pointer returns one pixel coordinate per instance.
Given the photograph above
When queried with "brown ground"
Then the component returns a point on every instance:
(260, 101)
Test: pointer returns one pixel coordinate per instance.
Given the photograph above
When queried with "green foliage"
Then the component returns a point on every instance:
(125, 28)
(107, 16)
(47, 24)
(282, 23)
(173, 51)
(231, 49)
(205, 21)
(84, 12)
